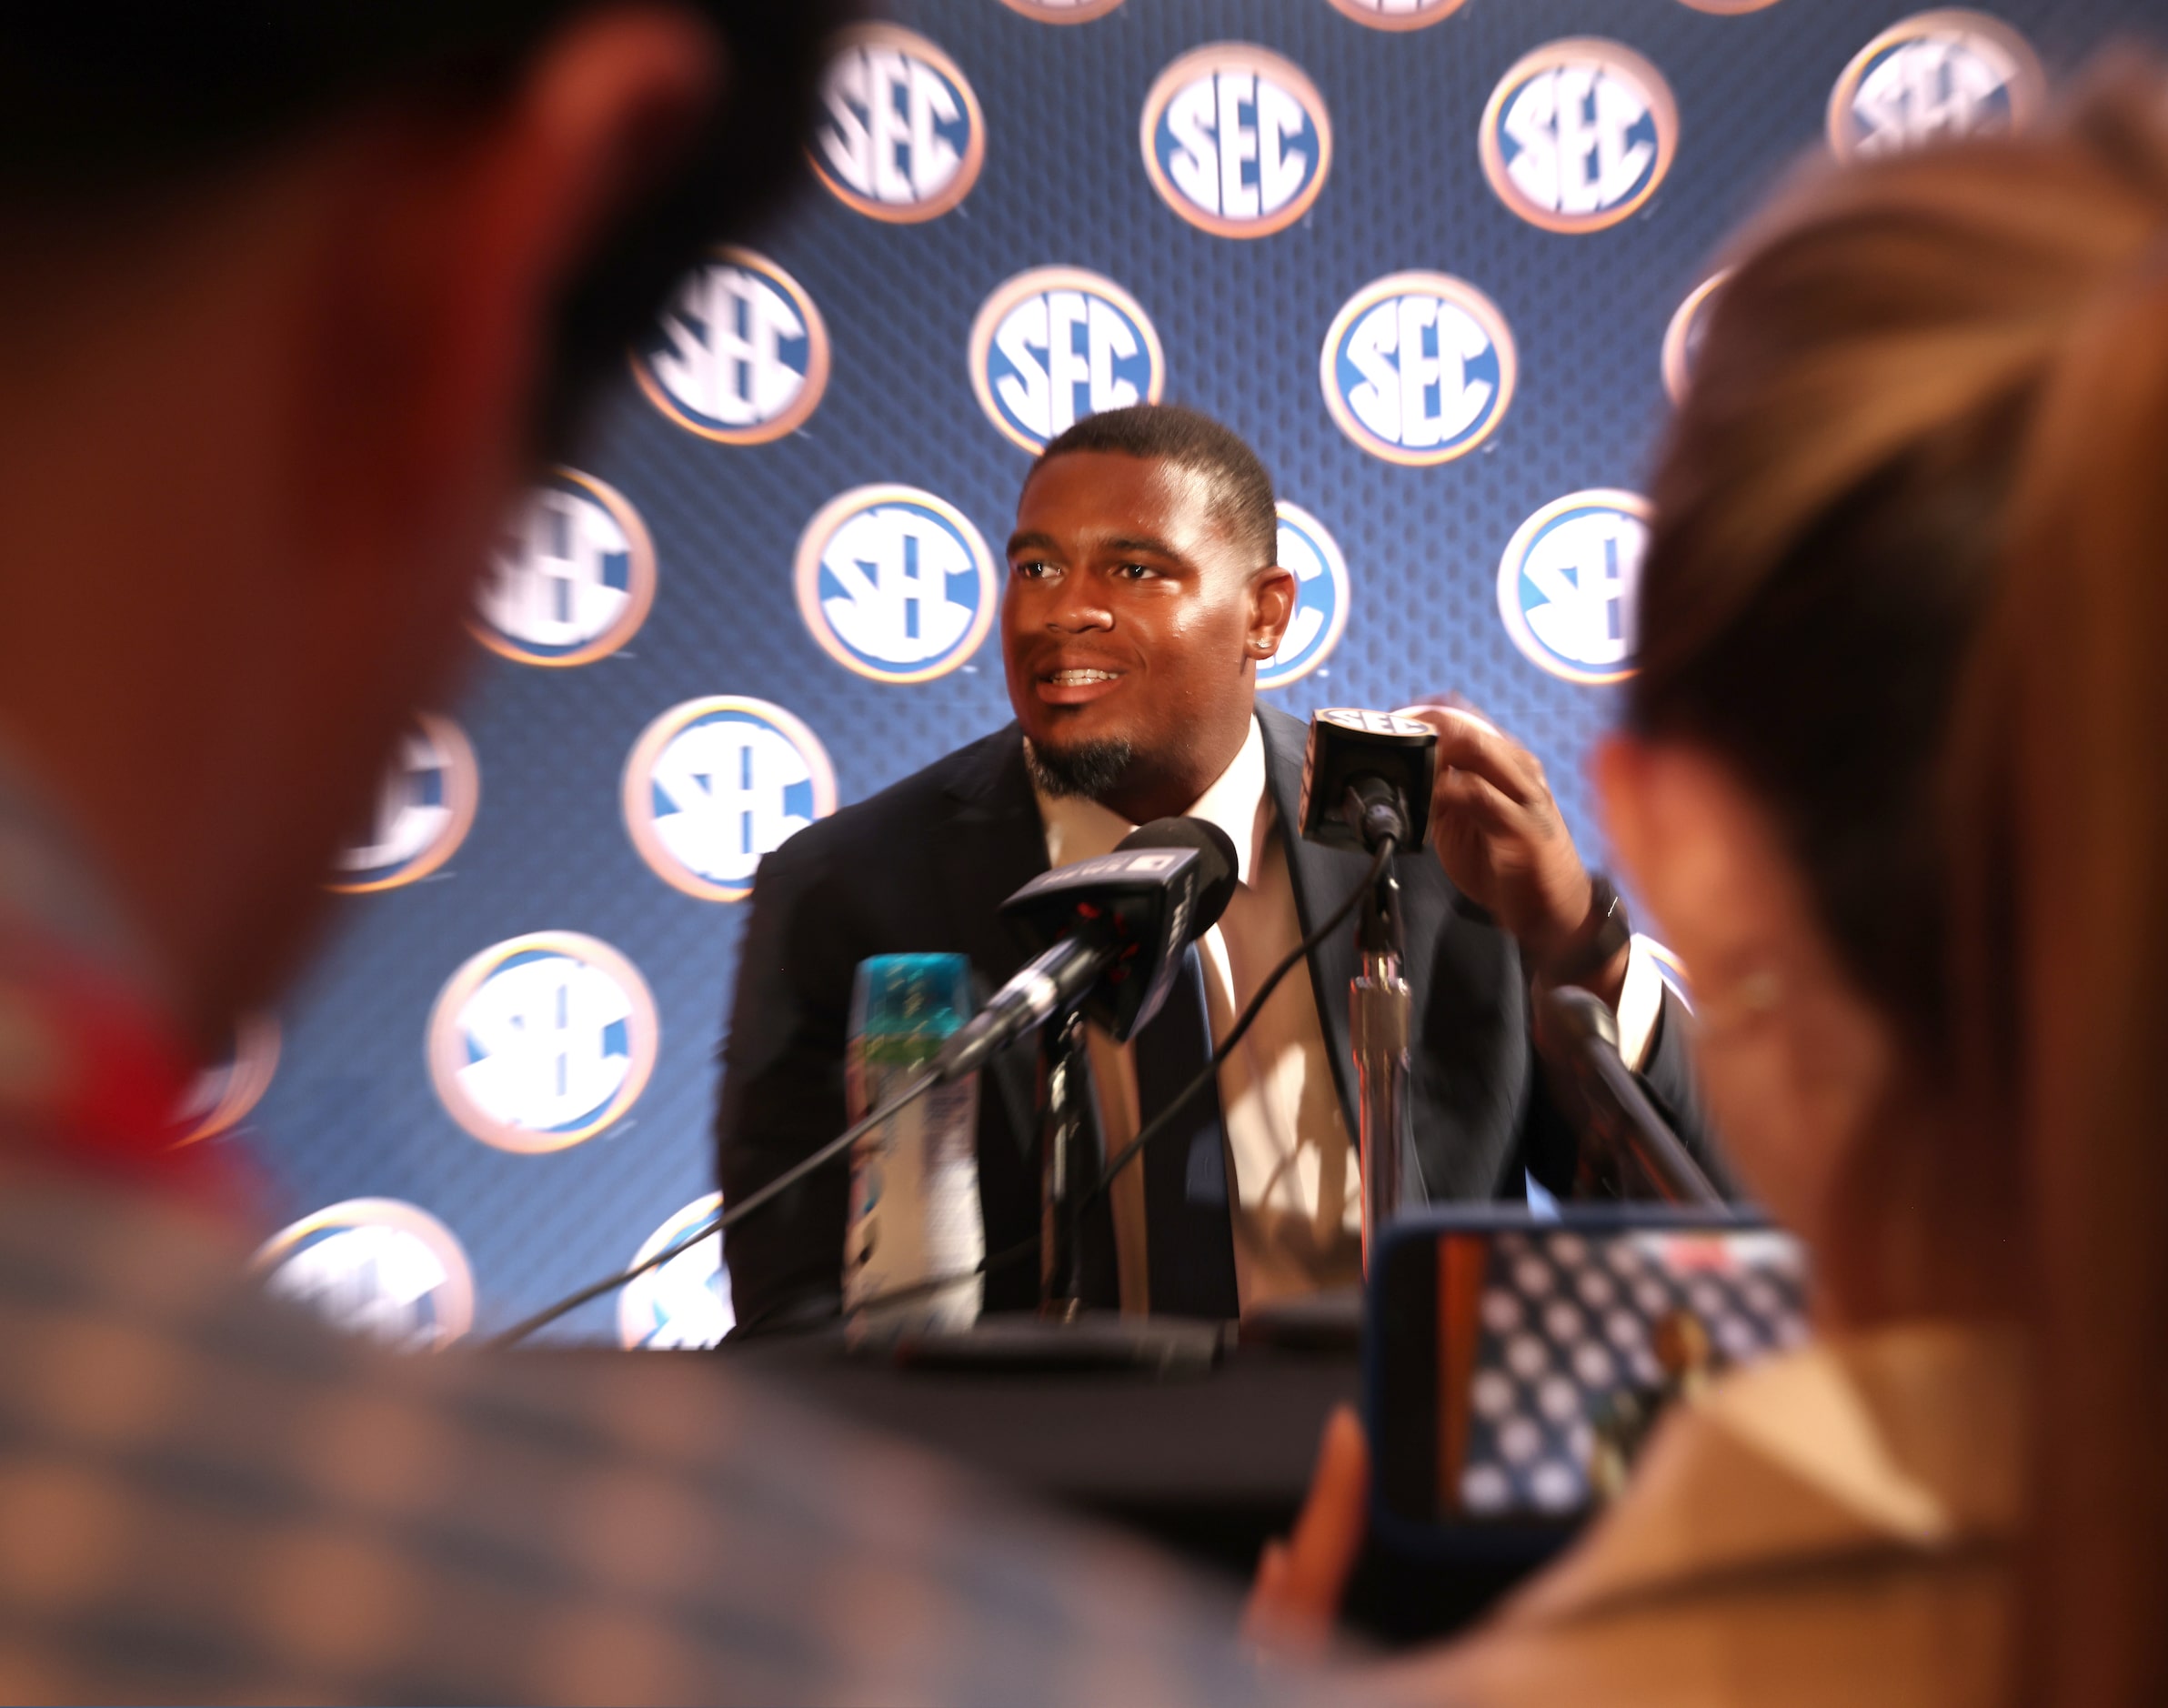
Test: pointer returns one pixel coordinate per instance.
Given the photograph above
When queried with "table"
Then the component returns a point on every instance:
(1210, 1466)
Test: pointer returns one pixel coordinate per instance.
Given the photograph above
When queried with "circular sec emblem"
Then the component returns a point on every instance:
(542, 1041)
(740, 354)
(1683, 337)
(1578, 134)
(425, 806)
(575, 578)
(1056, 344)
(713, 784)
(1419, 367)
(1236, 140)
(900, 137)
(1062, 11)
(1941, 75)
(1569, 583)
(684, 1303)
(895, 583)
(225, 1093)
(374, 1266)
(1398, 14)
(1320, 598)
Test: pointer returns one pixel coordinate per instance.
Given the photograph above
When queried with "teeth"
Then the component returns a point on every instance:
(1077, 679)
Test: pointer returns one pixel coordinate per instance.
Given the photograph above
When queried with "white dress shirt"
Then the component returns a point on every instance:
(1294, 1186)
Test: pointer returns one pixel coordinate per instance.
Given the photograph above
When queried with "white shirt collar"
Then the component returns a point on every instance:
(1236, 800)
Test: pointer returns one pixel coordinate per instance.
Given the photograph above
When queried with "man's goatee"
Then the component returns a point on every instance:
(1093, 769)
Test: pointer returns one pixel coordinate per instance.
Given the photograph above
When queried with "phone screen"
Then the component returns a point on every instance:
(1517, 1366)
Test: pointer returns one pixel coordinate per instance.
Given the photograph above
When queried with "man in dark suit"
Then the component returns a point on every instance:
(1143, 593)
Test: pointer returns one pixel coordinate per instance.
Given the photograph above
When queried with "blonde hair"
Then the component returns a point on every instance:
(1910, 578)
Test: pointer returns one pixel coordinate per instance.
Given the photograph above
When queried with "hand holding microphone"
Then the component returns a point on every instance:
(1502, 840)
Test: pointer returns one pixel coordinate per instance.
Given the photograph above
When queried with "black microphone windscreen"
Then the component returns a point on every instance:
(1575, 1016)
(1217, 865)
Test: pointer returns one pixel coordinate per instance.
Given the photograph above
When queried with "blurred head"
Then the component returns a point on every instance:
(1143, 591)
(298, 300)
(1893, 780)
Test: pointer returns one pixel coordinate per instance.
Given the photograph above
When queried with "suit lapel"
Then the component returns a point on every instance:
(995, 845)
(1322, 877)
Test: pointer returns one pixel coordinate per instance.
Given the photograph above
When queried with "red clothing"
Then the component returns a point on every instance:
(92, 1078)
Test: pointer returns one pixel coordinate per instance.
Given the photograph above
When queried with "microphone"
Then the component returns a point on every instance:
(1579, 1036)
(1386, 761)
(1114, 930)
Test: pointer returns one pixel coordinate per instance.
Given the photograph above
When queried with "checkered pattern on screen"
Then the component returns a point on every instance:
(1565, 1325)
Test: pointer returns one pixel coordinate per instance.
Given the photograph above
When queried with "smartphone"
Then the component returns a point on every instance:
(1514, 1365)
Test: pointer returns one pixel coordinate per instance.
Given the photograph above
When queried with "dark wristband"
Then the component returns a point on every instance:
(1601, 936)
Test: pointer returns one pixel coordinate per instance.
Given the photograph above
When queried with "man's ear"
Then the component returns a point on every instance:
(1272, 608)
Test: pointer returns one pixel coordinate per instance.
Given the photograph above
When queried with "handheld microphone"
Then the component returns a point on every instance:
(1114, 930)
(1386, 760)
(1579, 1036)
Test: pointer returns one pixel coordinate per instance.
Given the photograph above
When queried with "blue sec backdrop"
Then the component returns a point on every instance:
(1430, 259)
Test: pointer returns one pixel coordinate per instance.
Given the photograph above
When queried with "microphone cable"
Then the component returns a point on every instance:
(1293, 958)
(912, 1091)
(917, 1089)
(1159, 1123)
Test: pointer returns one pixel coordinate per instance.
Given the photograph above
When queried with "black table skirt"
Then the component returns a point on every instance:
(1211, 1466)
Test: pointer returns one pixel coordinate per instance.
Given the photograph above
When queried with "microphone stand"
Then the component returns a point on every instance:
(1380, 1011)
(1069, 1163)
(1634, 1153)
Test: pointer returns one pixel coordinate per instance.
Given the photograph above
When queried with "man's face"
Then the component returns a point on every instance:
(1135, 617)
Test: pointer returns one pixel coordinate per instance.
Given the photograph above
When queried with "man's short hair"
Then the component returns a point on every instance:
(1168, 433)
(101, 111)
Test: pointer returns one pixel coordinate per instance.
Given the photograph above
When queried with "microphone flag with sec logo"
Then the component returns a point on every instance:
(1348, 747)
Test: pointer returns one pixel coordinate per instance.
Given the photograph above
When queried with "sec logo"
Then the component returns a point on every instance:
(1236, 140)
(1683, 337)
(1569, 583)
(1940, 74)
(1056, 344)
(575, 578)
(1398, 14)
(1320, 598)
(713, 784)
(1578, 134)
(895, 583)
(425, 806)
(741, 355)
(684, 1303)
(542, 1041)
(225, 1093)
(1062, 11)
(901, 137)
(374, 1266)
(1419, 367)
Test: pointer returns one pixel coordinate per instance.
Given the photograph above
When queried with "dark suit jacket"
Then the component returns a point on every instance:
(921, 867)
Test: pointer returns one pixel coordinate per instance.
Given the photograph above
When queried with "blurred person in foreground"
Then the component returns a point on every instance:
(1893, 782)
(297, 297)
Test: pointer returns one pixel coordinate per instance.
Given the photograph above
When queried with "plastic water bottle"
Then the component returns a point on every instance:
(914, 1180)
